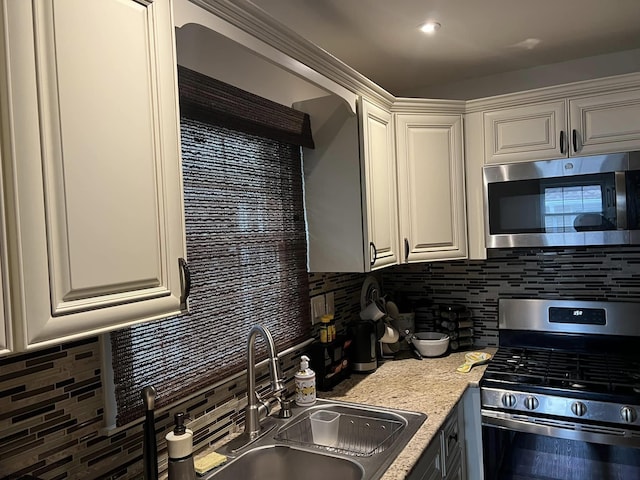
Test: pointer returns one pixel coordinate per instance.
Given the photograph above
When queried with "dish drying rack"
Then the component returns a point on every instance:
(358, 436)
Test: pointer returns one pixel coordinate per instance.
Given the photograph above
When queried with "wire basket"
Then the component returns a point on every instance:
(358, 436)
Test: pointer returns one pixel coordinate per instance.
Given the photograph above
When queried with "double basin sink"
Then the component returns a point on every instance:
(368, 440)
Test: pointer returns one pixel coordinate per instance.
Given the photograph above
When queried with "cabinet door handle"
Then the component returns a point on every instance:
(562, 141)
(186, 282)
(373, 257)
(575, 141)
(406, 250)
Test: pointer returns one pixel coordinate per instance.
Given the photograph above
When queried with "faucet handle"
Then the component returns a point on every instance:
(285, 409)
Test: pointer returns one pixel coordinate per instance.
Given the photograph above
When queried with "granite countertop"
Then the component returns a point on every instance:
(431, 386)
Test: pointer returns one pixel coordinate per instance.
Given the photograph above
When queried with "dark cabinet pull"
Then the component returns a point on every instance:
(186, 281)
(374, 257)
(406, 250)
(562, 141)
(575, 141)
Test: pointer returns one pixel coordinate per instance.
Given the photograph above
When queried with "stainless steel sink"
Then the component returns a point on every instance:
(283, 462)
(368, 441)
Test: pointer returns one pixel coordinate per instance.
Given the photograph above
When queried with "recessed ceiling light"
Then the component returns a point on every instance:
(430, 27)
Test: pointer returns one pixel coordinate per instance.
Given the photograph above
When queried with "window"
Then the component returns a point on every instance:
(246, 246)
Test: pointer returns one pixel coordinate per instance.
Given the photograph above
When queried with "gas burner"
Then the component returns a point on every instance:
(576, 378)
(574, 384)
(516, 366)
(516, 362)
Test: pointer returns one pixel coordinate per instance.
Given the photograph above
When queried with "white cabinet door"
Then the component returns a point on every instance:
(5, 327)
(93, 167)
(605, 123)
(530, 132)
(332, 188)
(431, 187)
(379, 189)
(6, 340)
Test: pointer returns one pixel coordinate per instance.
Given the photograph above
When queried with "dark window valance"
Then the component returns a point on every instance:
(219, 103)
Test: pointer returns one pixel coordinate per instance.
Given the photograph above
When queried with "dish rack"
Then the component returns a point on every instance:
(358, 436)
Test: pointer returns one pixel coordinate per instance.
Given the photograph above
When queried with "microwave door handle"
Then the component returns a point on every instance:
(621, 200)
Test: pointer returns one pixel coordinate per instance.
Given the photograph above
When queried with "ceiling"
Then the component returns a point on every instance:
(381, 38)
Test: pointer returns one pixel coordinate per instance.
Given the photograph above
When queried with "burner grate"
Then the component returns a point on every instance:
(586, 372)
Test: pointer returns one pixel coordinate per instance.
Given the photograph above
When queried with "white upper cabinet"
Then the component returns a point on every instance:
(92, 166)
(365, 209)
(605, 123)
(530, 132)
(576, 126)
(431, 187)
(587, 118)
(350, 187)
(379, 184)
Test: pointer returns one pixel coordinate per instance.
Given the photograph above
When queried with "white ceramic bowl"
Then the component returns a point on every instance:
(431, 344)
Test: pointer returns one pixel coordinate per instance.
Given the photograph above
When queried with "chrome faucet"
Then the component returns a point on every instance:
(256, 404)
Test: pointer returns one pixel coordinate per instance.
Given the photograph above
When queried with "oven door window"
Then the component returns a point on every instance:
(511, 455)
(553, 205)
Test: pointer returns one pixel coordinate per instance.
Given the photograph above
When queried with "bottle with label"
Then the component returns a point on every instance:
(325, 333)
(180, 451)
(331, 327)
(305, 379)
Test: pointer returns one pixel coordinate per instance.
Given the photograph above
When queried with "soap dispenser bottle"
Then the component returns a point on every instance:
(180, 450)
(305, 379)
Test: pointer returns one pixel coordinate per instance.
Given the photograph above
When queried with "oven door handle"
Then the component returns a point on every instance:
(560, 428)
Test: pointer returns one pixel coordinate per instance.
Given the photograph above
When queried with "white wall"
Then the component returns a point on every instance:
(555, 74)
(205, 51)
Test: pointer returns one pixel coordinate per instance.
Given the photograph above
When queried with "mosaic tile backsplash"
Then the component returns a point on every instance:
(586, 273)
(52, 408)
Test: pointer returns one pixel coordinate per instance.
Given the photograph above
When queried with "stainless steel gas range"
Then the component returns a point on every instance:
(564, 370)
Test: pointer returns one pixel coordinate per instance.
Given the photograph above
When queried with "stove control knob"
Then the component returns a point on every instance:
(531, 402)
(628, 414)
(509, 400)
(579, 409)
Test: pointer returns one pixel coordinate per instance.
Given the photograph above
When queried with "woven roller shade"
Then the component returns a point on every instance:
(246, 248)
(218, 103)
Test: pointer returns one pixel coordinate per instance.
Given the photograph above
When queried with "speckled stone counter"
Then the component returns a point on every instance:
(431, 386)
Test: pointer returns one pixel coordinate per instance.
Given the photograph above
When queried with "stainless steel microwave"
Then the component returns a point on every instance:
(566, 202)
